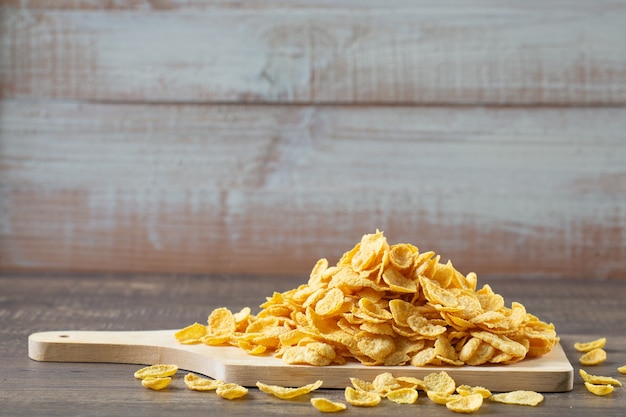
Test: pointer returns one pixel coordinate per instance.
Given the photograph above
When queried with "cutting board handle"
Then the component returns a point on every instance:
(135, 347)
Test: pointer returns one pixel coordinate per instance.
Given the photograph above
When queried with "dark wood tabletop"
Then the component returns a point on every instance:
(581, 310)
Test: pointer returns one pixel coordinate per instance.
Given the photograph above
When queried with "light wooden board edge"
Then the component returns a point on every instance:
(549, 373)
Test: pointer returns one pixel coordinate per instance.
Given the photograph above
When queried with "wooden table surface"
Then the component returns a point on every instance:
(580, 309)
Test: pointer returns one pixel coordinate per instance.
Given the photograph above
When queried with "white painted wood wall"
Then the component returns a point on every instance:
(256, 137)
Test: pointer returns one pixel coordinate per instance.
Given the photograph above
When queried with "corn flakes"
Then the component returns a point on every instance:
(519, 397)
(327, 406)
(362, 398)
(598, 389)
(196, 383)
(593, 357)
(156, 371)
(288, 393)
(598, 380)
(156, 383)
(387, 305)
(588, 346)
(231, 391)
(465, 403)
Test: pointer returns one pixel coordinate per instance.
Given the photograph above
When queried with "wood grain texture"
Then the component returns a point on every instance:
(271, 189)
(581, 310)
(462, 52)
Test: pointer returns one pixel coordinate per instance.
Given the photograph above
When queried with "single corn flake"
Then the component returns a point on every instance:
(403, 395)
(410, 382)
(599, 380)
(221, 322)
(622, 369)
(440, 397)
(288, 393)
(519, 397)
(191, 334)
(196, 383)
(599, 389)
(156, 383)
(465, 403)
(156, 371)
(231, 391)
(362, 385)
(327, 406)
(589, 346)
(360, 398)
(593, 357)
(385, 382)
(468, 390)
(439, 382)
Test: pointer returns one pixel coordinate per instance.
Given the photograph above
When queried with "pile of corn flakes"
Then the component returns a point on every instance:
(386, 305)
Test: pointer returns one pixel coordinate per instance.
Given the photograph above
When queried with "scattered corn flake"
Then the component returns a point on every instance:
(362, 385)
(196, 383)
(440, 398)
(622, 369)
(439, 382)
(360, 398)
(468, 390)
(598, 380)
(588, 346)
(599, 389)
(327, 406)
(519, 397)
(231, 391)
(288, 393)
(156, 371)
(385, 382)
(593, 357)
(156, 383)
(410, 382)
(465, 403)
(403, 395)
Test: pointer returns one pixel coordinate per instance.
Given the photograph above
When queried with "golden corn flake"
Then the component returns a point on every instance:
(410, 382)
(385, 382)
(288, 393)
(588, 346)
(362, 385)
(440, 397)
(598, 380)
(156, 383)
(191, 334)
(599, 389)
(386, 305)
(519, 397)
(196, 383)
(403, 395)
(361, 398)
(327, 406)
(221, 322)
(156, 371)
(465, 403)
(622, 369)
(468, 390)
(593, 357)
(439, 382)
(231, 391)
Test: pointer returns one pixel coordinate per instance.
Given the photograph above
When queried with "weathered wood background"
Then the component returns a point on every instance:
(255, 137)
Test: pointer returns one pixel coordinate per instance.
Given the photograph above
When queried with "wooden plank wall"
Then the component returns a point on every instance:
(256, 137)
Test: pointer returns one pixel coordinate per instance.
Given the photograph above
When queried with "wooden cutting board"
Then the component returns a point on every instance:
(549, 373)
